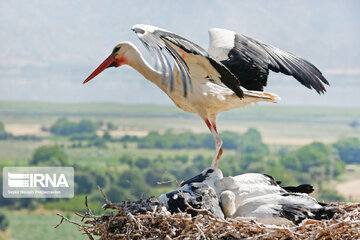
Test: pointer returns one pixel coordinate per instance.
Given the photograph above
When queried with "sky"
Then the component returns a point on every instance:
(49, 47)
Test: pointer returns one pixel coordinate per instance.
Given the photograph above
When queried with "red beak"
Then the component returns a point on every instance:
(109, 62)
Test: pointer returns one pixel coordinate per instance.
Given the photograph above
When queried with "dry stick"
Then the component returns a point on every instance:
(81, 227)
(70, 221)
(102, 193)
(305, 231)
(87, 207)
(61, 221)
(83, 216)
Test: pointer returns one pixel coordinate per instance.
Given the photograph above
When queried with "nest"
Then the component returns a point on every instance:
(149, 219)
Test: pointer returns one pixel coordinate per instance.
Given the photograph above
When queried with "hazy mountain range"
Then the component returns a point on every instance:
(49, 47)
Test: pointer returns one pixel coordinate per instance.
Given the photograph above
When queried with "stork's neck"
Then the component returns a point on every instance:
(139, 64)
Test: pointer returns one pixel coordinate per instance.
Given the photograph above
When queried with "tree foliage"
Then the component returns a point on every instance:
(4, 222)
(349, 150)
(311, 157)
(65, 127)
(49, 156)
(2, 127)
(111, 126)
(134, 175)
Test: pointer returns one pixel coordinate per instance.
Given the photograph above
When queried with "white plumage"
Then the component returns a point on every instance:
(221, 41)
(273, 208)
(259, 196)
(231, 75)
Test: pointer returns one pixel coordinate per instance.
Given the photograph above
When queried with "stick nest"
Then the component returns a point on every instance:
(149, 219)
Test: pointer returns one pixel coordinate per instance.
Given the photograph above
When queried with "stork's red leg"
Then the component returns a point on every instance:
(218, 141)
(220, 150)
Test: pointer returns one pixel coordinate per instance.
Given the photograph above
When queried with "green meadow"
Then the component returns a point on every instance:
(283, 129)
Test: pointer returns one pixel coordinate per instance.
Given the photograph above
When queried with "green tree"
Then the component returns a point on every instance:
(98, 142)
(330, 195)
(65, 127)
(49, 156)
(111, 126)
(3, 134)
(134, 181)
(250, 159)
(230, 140)
(153, 176)
(85, 182)
(4, 222)
(2, 127)
(251, 142)
(314, 155)
(127, 159)
(116, 193)
(291, 162)
(142, 162)
(87, 126)
(107, 136)
(253, 135)
(349, 150)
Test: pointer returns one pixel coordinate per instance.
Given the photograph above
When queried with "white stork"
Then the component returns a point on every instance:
(276, 208)
(258, 196)
(230, 75)
(246, 185)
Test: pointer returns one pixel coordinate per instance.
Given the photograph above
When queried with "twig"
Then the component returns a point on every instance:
(103, 194)
(70, 221)
(87, 207)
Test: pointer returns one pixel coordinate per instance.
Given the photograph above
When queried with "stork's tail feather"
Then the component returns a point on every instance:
(326, 212)
(298, 212)
(266, 96)
(303, 188)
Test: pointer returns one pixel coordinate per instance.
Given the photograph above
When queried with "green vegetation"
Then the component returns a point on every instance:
(3, 134)
(349, 150)
(4, 222)
(162, 146)
(132, 175)
(65, 127)
(111, 126)
(7, 136)
(249, 142)
(27, 225)
(49, 156)
(331, 195)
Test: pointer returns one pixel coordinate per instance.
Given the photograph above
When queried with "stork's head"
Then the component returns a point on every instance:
(208, 176)
(122, 54)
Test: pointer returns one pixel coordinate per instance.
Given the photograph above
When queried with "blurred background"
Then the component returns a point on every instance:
(122, 133)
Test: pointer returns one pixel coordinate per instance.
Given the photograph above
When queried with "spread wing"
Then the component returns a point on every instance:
(250, 61)
(189, 59)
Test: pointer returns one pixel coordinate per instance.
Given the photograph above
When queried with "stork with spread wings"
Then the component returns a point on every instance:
(231, 74)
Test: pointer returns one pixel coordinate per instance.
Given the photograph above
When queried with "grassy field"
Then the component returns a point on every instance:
(290, 126)
(27, 225)
(277, 124)
(38, 111)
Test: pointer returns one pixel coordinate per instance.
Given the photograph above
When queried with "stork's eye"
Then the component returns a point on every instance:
(138, 30)
(209, 171)
(115, 50)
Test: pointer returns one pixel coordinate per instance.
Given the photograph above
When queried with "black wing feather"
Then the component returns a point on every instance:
(250, 61)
